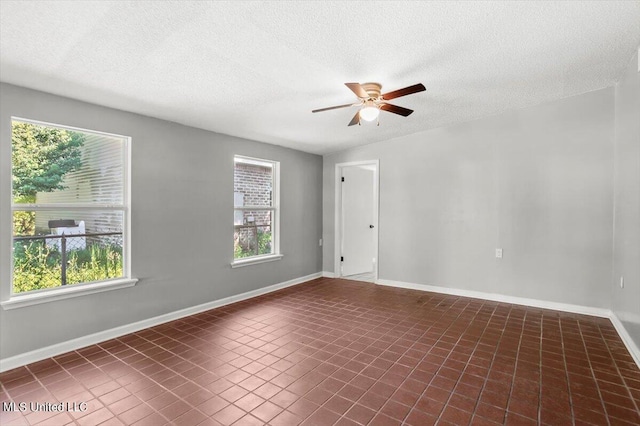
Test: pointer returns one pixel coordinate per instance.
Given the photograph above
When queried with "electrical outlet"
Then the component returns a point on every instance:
(498, 253)
(320, 242)
(621, 282)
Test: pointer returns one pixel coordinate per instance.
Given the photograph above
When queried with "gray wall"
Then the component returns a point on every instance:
(626, 302)
(536, 182)
(180, 175)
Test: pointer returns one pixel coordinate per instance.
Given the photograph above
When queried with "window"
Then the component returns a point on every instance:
(70, 207)
(256, 211)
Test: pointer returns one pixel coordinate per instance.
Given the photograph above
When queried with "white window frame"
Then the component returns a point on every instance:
(18, 300)
(275, 215)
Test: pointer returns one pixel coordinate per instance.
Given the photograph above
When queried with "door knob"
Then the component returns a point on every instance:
(370, 226)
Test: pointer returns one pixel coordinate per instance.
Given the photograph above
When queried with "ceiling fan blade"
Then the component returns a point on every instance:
(396, 109)
(404, 92)
(358, 90)
(333, 107)
(355, 119)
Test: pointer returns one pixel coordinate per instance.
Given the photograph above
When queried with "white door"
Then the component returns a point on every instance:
(358, 226)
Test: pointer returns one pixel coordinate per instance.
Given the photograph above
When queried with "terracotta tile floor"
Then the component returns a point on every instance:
(345, 353)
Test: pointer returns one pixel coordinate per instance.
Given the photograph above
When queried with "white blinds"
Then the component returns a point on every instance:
(100, 178)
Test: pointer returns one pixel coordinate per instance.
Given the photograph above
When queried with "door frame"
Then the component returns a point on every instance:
(338, 213)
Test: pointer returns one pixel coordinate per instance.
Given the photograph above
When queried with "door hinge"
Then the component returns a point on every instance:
(342, 178)
(341, 258)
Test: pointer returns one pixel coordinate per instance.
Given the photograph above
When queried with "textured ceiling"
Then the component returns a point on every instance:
(257, 69)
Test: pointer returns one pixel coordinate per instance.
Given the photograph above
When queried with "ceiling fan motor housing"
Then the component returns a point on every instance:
(373, 89)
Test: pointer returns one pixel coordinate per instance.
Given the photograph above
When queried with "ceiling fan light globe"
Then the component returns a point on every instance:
(369, 113)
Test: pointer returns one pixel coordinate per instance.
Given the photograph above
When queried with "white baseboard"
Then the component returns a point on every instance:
(626, 338)
(564, 307)
(327, 274)
(495, 297)
(101, 336)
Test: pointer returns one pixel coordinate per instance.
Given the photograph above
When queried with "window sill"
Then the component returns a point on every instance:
(24, 300)
(255, 260)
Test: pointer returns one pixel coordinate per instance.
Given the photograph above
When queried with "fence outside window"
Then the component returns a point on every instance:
(42, 258)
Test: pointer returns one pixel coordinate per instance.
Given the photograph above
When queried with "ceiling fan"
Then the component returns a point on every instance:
(372, 101)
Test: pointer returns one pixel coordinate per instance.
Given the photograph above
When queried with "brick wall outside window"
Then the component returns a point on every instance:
(254, 182)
